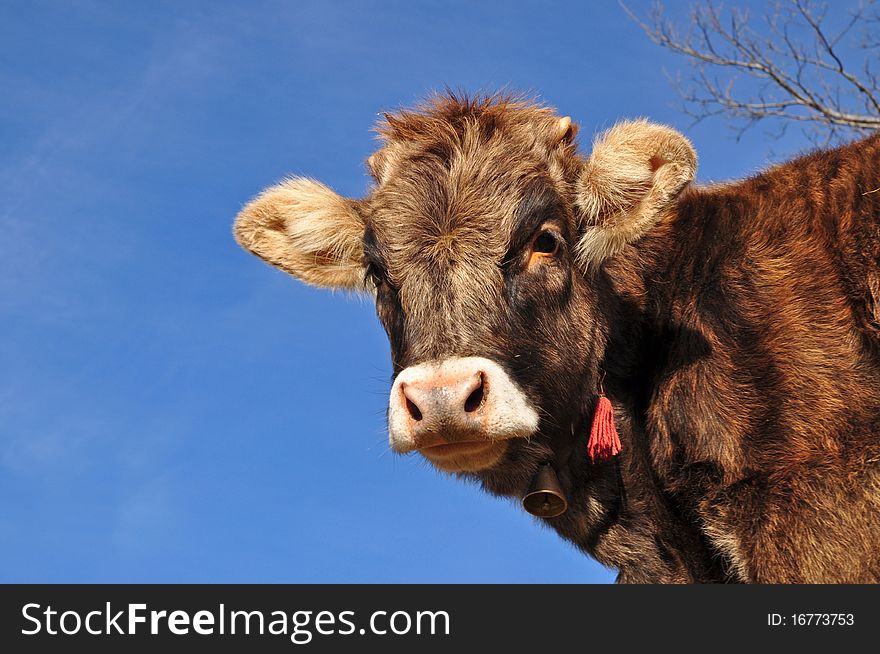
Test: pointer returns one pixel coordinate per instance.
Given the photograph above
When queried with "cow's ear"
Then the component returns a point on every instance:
(635, 172)
(307, 230)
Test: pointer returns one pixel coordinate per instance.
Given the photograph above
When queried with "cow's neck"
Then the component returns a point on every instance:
(623, 513)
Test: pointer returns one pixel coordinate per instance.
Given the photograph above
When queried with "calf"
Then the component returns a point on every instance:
(735, 330)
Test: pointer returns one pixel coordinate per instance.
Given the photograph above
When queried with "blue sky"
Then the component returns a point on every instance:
(173, 410)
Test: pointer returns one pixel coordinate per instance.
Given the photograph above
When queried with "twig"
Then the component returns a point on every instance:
(775, 74)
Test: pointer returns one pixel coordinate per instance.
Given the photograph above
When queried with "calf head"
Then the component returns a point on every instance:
(481, 240)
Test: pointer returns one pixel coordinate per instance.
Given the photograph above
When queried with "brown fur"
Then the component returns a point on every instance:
(737, 328)
(772, 434)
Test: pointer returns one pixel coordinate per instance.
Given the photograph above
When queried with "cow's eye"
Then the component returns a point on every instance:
(545, 246)
(373, 276)
(546, 243)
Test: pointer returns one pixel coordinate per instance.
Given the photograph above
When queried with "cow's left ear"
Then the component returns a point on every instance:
(635, 172)
(307, 230)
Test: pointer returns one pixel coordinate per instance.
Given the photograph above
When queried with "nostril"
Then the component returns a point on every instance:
(414, 412)
(411, 407)
(475, 399)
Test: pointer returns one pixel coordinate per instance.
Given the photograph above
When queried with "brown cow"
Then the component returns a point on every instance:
(735, 328)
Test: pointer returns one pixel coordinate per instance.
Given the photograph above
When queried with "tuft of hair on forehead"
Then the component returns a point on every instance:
(447, 115)
(451, 123)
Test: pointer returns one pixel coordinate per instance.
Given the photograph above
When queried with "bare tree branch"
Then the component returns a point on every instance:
(790, 67)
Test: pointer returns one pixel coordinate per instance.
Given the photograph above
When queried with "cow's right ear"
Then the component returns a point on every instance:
(636, 171)
(307, 230)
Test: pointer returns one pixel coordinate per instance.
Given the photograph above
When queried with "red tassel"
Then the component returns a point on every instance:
(604, 441)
